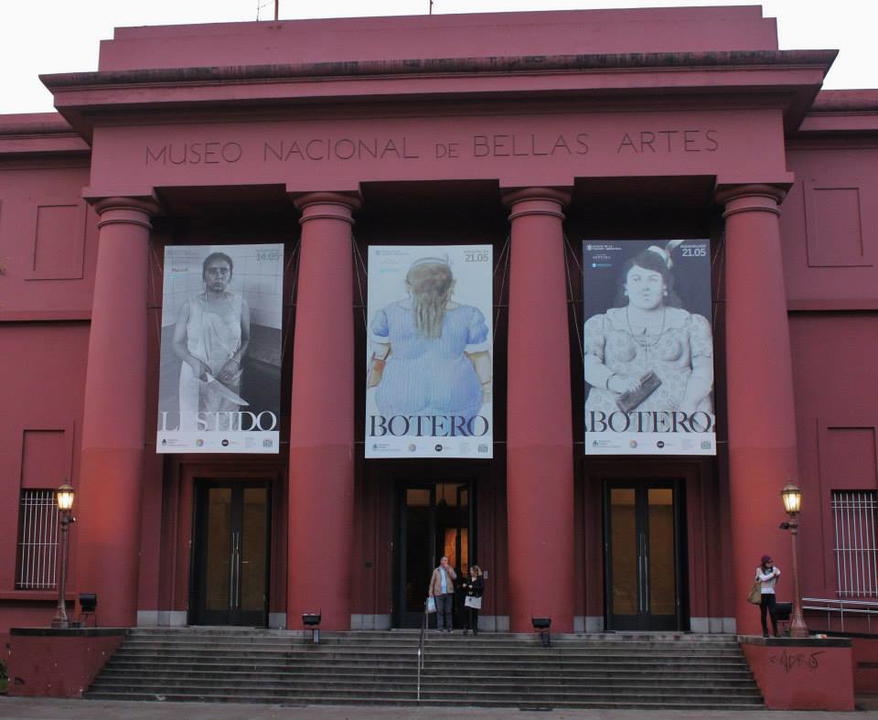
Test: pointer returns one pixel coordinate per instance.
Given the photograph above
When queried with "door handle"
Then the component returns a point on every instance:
(640, 603)
(232, 567)
(238, 573)
(645, 576)
(235, 575)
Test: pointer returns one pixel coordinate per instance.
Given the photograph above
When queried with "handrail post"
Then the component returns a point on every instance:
(421, 651)
(841, 607)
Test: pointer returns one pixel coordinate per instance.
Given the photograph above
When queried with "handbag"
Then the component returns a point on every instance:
(755, 594)
(431, 605)
(471, 601)
(648, 385)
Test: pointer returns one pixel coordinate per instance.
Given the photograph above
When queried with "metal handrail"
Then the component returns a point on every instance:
(422, 647)
(839, 606)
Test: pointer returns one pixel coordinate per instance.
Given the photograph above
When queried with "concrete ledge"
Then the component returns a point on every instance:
(370, 622)
(802, 674)
(718, 625)
(51, 662)
(68, 632)
(161, 618)
(494, 623)
(277, 620)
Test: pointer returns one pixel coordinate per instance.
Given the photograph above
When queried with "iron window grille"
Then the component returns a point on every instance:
(37, 541)
(856, 555)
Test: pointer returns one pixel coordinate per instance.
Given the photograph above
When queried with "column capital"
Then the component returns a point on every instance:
(750, 198)
(536, 201)
(125, 210)
(328, 206)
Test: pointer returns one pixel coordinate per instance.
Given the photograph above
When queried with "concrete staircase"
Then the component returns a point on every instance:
(617, 670)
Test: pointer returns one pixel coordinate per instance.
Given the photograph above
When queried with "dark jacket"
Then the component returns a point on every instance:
(474, 588)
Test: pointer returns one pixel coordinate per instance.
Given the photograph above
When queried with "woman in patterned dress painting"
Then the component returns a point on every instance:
(649, 354)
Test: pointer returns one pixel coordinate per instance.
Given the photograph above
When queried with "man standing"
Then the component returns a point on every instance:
(442, 589)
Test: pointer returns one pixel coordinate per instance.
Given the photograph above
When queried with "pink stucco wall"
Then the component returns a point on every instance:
(58, 663)
(802, 674)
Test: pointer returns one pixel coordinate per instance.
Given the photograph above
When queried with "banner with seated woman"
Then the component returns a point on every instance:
(648, 348)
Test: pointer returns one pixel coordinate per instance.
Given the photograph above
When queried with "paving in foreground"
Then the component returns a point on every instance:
(51, 709)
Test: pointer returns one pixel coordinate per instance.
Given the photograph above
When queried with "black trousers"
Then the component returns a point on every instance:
(472, 620)
(767, 604)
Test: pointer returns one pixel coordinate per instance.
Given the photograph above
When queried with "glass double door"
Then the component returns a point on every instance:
(643, 556)
(434, 519)
(230, 569)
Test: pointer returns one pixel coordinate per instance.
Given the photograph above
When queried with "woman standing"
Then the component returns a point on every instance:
(766, 575)
(211, 337)
(474, 587)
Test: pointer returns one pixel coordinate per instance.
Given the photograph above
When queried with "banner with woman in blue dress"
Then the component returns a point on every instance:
(429, 369)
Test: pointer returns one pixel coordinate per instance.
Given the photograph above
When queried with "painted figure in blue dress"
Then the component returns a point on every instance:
(430, 355)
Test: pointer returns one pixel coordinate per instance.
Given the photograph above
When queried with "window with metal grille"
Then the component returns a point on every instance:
(37, 540)
(856, 556)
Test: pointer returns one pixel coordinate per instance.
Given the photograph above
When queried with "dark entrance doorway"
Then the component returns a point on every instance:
(434, 519)
(644, 552)
(230, 568)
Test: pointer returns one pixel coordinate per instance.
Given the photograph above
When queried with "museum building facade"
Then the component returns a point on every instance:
(533, 143)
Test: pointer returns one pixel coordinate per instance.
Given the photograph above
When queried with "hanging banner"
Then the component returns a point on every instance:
(429, 377)
(219, 383)
(648, 348)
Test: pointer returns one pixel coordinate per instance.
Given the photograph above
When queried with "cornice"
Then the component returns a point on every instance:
(788, 78)
(444, 66)
(39, 134)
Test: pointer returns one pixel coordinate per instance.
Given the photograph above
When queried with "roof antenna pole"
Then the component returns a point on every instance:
(277, 9)
(431, 7)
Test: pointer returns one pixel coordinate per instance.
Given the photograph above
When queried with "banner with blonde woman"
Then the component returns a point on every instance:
(219, 382)
(429, 373)
(648, 348)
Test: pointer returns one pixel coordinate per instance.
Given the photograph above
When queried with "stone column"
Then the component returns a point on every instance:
(114, 415)
(321, 488)
(539, 448)
(761, 412)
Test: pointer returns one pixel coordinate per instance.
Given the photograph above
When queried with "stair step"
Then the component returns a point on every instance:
(662, 671)
(428, 681)
(756, 704)
(514, 674)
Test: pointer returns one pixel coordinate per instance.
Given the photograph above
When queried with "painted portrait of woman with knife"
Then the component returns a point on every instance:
(219, 379)
(210, 337)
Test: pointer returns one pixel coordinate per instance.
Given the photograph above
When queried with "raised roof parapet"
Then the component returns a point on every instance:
(655, 30)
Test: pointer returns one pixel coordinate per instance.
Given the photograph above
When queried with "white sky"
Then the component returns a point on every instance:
(56, 36)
